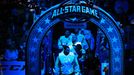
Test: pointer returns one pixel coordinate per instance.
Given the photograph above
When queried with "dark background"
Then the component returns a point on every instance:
(16, 18)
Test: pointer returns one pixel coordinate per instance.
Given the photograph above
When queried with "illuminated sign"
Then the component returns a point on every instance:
(75, 9)
(74, 25)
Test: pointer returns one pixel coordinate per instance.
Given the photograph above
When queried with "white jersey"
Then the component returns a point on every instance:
(69, 63)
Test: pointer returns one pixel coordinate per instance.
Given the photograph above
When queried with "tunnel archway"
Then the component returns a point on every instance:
(102, 19)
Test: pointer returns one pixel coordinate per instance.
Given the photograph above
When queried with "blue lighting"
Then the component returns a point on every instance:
(40, 30)
(102, 21)
(110, 29)
(47, 21)
(106, 23)
(35, 39)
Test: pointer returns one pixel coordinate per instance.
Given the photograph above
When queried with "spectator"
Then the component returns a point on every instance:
(11, 53)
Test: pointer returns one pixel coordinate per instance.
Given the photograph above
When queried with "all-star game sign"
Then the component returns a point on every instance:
(74, 13)
(75, 9)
